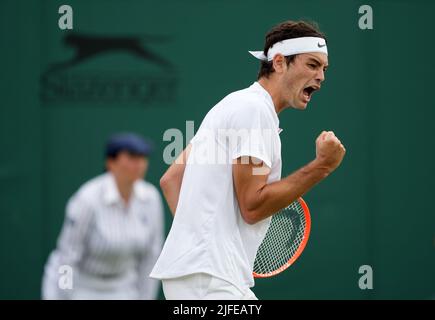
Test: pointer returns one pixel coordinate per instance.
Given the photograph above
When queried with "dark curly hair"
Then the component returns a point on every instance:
(283, 31)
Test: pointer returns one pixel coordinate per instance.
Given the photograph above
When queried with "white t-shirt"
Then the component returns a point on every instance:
(208, 233)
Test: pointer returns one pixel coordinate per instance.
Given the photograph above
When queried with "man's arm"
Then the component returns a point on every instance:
(170, 182)
(259, 200)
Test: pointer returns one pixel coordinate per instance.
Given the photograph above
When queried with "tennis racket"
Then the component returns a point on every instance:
(285, 240)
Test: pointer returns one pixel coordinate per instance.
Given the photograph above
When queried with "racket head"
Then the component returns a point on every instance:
(299, 210)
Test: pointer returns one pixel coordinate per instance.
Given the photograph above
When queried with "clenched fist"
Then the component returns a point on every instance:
(329, 150)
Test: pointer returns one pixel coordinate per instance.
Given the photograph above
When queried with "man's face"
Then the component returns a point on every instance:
(129, 167)
(303, 76)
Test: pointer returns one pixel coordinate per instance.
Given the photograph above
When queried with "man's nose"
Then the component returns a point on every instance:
(320, 76)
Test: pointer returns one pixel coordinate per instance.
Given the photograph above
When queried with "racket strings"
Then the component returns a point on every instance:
(282, 240)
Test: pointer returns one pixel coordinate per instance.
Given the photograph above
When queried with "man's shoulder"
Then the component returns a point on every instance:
(245, 101)
(247, 96)
(89, 191)
(239, 106)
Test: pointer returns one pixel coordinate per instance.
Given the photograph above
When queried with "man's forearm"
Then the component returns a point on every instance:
(171, 192)
(172, 179)
(277, 195)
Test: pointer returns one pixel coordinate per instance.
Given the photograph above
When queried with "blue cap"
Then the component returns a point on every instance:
(129, 142)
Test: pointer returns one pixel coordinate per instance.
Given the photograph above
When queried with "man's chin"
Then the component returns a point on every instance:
(299, 105)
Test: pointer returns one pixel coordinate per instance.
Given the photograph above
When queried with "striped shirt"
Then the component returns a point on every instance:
(110, 247)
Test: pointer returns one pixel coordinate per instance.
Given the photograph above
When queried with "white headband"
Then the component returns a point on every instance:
(293, 46)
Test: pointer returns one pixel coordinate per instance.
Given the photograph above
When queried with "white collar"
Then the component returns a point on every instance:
(111, 193)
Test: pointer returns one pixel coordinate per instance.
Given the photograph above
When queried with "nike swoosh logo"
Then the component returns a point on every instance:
(321, 45)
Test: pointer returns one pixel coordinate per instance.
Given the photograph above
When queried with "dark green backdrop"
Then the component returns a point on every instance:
(376, 209)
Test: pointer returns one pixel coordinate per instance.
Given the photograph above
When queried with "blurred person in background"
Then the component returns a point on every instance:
(113, 230)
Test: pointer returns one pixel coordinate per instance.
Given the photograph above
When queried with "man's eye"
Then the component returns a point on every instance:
(313, 66)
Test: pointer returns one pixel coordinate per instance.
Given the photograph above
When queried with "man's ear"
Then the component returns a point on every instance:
(279, 63)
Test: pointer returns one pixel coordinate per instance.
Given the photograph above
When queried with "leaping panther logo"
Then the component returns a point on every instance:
(88, 46)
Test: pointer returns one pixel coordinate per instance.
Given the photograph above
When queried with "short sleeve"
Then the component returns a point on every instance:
(250, 133)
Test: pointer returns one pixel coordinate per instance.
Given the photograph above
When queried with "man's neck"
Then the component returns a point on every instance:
(274, 92)
(125, 188)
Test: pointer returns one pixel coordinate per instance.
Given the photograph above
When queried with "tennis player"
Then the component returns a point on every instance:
(222, 208)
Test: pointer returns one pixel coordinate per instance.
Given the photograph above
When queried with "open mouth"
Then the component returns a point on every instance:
(308, 91)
